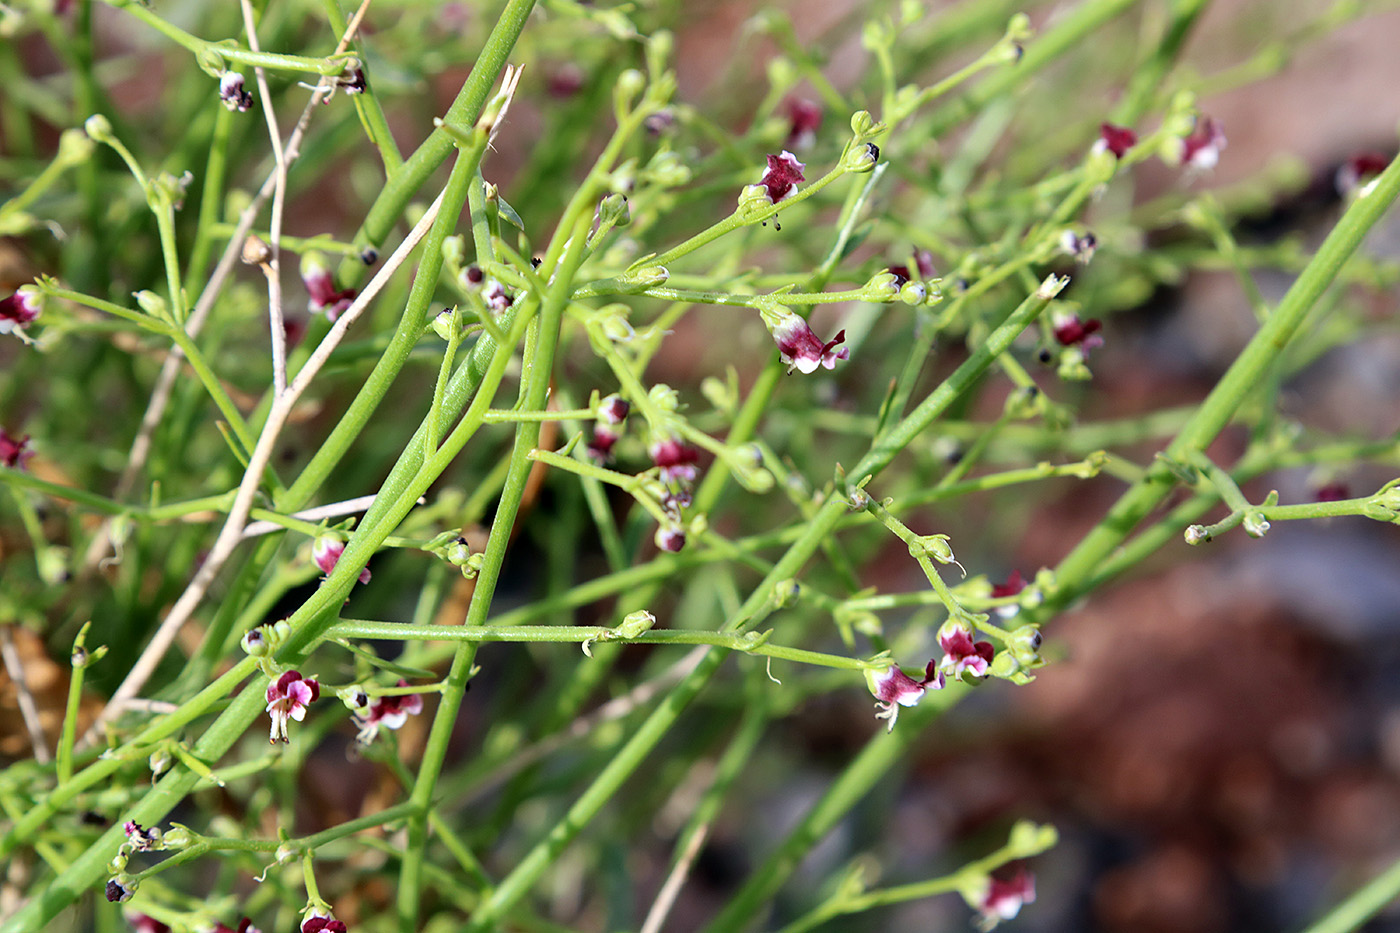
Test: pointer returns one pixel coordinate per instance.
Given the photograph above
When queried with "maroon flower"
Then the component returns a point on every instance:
(144, 924)
(13, 453)
(893, 688)
(20, 309)
(669, 538)
(353, 81)
(806, 117)
(244, 926)
(317, 922)
(1115, 139)
(900, 273)
(782, 176)
(1358, 170)
(321, 287)
(1070, 330)
(1004, 899)
(961, 654)
(923, 259)
(613, 409)
(117, 892)
(676, 459)
(233, 94)
(600, 447)
(391, 712)
(326, 554)
(1201, 150)
(799, 346)
(1013, 586)
(287, 698)
(1332, 492)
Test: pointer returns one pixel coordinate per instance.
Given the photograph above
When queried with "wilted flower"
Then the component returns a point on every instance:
(799, 346)
(782, 176)
(353, 81)
(321, 287)
(1081, 247)
(20, 309)
(287, 697)
(1004, 899)
(391, 712)
(326, 554)
(119, 892)
(13, 453)
(233, 94)
(1115, 139)
(140, 840)
(893, 688)
(806, 117)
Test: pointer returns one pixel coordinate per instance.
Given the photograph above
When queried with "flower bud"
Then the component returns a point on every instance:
(98, 128)
(177, 837)
(669, 538)
(256, 643)
(635, 623)
(664, 397)
(613, 210)
(629, 85)
(613, 409)
(883, 286)
(935, 546)
(863, 125)
(119, 861)
(1052, 286)
(1024, 644)
(860, 159)
(1255, 524)
(454, 251)
(785, 593)
(913, 293)
(445, 323)
(74, 147)
(152, 304)
(354, 697)
(255, 250)
(159, 762)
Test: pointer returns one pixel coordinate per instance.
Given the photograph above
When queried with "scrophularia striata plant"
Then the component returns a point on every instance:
(581, 359)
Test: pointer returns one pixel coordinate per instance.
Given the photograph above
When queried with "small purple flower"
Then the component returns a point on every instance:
(1201, 150)
(326, 554)
(799, 346)
(317, 922)
(676, 459)
(20, 309)
(1115, 139)
(961, 654)
(390, 712)
(287, 697)
(13, 453)
(321, 287)
(893, 688)
(1069, 330)
(782, 176)
(233, 94)
(806, 117)
(1003, 899)
(1013, 586)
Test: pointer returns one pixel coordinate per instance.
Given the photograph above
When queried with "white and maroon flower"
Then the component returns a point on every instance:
(782, 176)
(806, 117)
(390, 712)
(1069, 330)
(144, 924)
(20, 309)
(317, 922)
(233, 94)
(140, 840)
(1115, 139)
(13, 453)
(676, 459)
(799, 346)
(600, 447)
(496, 296)
(1012, 587)
(961, 654)
(1201, 150)
(893, 688)
(287, 698)
(326, 554)
(1003, 900)
(669, 538)
(613, 409)
(320, 285)
(1079, 246)
(1359, 170)
(353, 81)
